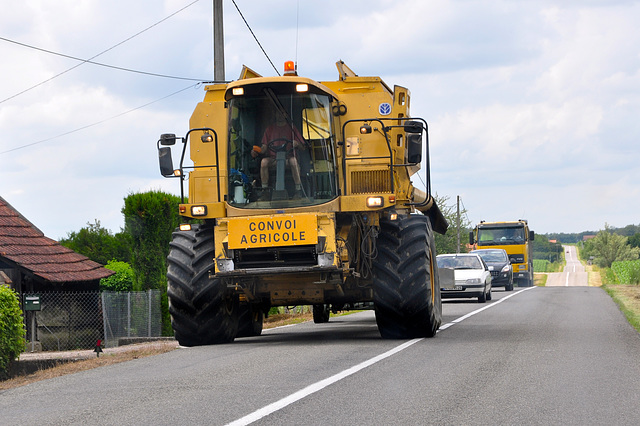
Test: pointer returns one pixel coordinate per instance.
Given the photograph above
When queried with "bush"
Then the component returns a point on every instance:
(122, 280)
(12, 329)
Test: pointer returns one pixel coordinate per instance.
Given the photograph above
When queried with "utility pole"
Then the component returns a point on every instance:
(218, 42)
(458, 225)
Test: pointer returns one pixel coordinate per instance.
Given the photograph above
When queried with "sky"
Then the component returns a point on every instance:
(533, 106)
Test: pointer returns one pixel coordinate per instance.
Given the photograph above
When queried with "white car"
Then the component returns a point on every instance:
(470, 278)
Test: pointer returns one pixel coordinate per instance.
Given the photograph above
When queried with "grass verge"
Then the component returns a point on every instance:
(627, 297)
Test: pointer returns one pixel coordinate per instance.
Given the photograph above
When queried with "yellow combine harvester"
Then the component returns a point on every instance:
(304, 197)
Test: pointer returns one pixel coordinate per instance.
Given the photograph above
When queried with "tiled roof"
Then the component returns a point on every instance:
(24, 245)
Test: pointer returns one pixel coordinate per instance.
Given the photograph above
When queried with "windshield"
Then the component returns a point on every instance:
(493, 256)
(505, 235)
(280, 150)
(459, 262)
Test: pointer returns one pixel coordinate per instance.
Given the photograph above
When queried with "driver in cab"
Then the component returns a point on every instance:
(279, 136)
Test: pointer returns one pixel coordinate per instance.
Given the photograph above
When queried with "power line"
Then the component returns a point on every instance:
(99, 122)
(254, 36)
(95, 56)
(88, 61)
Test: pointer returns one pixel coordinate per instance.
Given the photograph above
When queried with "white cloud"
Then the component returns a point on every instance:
(532, 106)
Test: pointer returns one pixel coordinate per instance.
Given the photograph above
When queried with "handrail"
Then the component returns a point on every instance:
(184, 150)
(390, 157)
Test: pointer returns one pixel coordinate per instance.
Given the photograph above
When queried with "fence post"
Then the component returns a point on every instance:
(129, 314)
(104, 319)
(149, 313)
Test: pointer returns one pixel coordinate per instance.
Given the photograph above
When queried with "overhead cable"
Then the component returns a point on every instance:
(95, 56)
(254, 36)
(98, 122)
(88, 61)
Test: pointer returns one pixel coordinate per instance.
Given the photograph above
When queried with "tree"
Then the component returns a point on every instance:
(447, 243)
(99, 244)
(150, 219)
(608, 247)
(634, 240)
(543, 249)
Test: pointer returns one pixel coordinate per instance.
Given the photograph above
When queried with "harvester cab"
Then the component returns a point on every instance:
(304, 193)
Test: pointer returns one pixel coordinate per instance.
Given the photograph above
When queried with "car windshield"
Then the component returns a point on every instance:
(493, 256)
(281, 150)
(504, 235)
(459, 262)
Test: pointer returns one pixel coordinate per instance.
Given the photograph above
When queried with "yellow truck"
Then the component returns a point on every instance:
(515, 238)
(300, 193)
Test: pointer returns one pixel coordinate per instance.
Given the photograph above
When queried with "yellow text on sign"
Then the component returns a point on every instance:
(272, 231)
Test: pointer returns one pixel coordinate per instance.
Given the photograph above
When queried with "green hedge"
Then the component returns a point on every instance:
(12, 329)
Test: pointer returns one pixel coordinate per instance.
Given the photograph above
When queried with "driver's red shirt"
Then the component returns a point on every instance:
(285, 131)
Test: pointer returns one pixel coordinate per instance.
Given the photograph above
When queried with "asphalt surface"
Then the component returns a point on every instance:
(561, 355)
(574, 273)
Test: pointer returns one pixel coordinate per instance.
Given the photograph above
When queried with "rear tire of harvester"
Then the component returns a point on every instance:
(250, 321)
(321, 313)
(202, 311)
(406, 287)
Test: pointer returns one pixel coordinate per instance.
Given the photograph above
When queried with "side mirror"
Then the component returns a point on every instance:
(414, 148)
(412, 127)
(167, 139)
(166, 162)
(471, 238)
(531, 236)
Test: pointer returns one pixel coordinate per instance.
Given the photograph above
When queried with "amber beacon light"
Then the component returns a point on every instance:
(290, 68)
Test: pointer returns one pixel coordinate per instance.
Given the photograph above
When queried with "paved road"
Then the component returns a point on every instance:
(550, 356)
(573, 274)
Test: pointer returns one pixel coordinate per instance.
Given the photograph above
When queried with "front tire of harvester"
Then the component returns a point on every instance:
(406, 287)
(250, 321)
(202, 311)
(321, 313)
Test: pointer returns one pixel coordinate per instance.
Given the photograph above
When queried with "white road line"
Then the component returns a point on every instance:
(315, 387)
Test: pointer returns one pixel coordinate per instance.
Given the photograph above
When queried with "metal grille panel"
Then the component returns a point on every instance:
(370, 181)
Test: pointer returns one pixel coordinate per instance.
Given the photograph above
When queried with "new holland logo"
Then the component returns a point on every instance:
(384, 108)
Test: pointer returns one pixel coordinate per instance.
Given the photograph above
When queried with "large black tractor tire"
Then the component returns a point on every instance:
(406, 287)
(250, 321)
(202, 311)
(321, 313)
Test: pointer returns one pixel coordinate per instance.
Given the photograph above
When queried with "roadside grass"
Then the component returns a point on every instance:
(540, 279)
(627, 297)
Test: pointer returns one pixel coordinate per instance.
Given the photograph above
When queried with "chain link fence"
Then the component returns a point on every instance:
(77, 320)
(133, 314)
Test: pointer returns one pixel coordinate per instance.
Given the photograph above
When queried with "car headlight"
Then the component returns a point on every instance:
(505, 268)
(473, 281)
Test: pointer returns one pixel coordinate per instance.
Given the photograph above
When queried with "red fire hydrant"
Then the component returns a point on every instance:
(98, 348)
